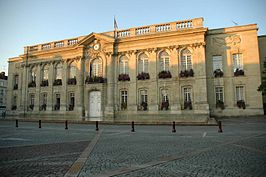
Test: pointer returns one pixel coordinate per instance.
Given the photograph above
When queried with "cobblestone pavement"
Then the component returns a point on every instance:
(150, 151)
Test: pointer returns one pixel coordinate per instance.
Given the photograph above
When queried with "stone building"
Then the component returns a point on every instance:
(178, 71)
(3, 92)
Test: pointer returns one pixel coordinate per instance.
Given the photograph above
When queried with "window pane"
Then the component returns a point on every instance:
(217, 62)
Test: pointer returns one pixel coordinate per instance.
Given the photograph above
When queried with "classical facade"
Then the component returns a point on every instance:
(178, 71)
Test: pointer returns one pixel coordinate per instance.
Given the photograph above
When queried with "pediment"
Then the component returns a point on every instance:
(95, 36)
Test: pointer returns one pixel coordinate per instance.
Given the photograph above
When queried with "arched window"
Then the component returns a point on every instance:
(72, 70)
(186, 60)
(33, 74)
(164, 61)
(58, 71)
(45, 72)
(143, 64)
(96, 68)
(123, 65)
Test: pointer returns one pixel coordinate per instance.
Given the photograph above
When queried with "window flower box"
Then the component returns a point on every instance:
(123, 77)
(187, 73)
(220, 104)
(94, 79)
(72, 81)
(31, 107)
(241, 104)
(123, 106)
(32, 84)
(44, 83)
(218, 73)
(71, 107)
(165, 105)
(56, 107)
(14, 107)
(188, 105)
(43, 107)
(57, 82)
(144, 106)
(164, 75)
(239, 72)
(143, 76)
(15, 87)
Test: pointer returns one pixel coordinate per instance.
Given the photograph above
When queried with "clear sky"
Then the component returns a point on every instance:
(29, 22)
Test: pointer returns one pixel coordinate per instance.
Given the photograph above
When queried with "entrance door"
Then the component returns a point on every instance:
(95, 104)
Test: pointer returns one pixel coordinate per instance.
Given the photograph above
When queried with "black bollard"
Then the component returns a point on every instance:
(132, 125)
(220, 130)
(40, 124)
(16, 122)
(97, 126)
(66, 126)
(173, 130)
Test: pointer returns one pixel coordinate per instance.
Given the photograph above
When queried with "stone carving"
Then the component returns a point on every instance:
(233, 40)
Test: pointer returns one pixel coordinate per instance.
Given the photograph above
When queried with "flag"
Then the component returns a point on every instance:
(115, 24)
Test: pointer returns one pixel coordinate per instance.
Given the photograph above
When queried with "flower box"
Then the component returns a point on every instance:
(32, 84)
(123, 77)
(241, 104)
(94, 79)
(71, 107)
(57, 82)
(15, 87)
(72, 81)
(220, 104)
(188, 105)
(187, 73)
(143, 76)
(44, 83)
(123, 106)
(43, 107)
(31, 107)
(239, 72)
(144, 106)
(218, 73)
(56, 107)
(165, 105)
(164, 75)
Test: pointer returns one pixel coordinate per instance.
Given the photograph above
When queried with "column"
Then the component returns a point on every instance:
(50, 88)
(132, 94)
(37, 95)
(153, 82)
(110, 62)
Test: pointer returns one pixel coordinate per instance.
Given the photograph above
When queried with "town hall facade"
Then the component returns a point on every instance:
(177, 71)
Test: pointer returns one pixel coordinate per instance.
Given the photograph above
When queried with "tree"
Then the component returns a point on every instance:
(262, 87)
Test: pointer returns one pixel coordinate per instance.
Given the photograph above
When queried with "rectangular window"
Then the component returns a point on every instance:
(57, 102)
(16, 80)
(32, 98)
(187, 94)
(238, 61)
(240, 93)
(219, 93)
(15, 100)
(44, 98)
(123, 99)
(143, 96)
(71, 101)
(217, 62)
(186, 62)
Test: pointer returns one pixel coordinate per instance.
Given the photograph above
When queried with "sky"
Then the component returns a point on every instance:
(30, 22)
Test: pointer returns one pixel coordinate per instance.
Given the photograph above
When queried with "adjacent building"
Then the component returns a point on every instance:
(3, 93)
(179, 71)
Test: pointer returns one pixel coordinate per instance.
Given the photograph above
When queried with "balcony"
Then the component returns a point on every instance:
(95, 80)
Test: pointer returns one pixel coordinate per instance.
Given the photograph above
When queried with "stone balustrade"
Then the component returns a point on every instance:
(158, 28)
(131, 32)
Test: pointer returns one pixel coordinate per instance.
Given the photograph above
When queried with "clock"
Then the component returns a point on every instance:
(96, 47)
